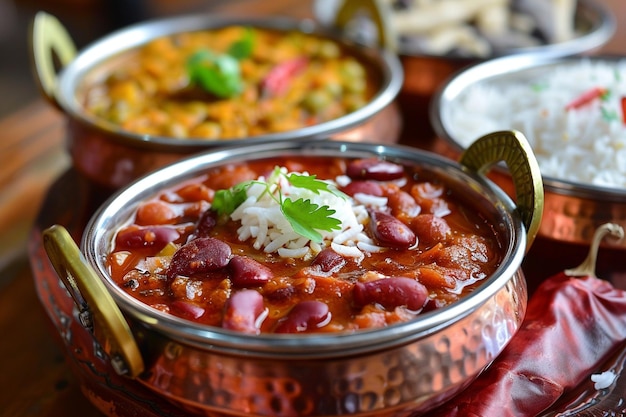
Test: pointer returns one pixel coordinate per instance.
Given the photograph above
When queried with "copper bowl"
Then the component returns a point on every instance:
(573, 209)
(113, 157)
(399, 370)
(426, 72)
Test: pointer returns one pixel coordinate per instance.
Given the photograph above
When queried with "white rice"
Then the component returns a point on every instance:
(263, 221)
(580, 145)
(603, 380)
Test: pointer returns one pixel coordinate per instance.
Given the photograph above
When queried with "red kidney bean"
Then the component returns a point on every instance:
(391, 232)
(146, 236)
(391, 293)
(374, 169)
(199, 255)
(365, 187)
(242, 312)
(206, 223)
(186, 310)
(430, 228)
(246, 272)
(306, 315)
(401, 203)
(328, 260)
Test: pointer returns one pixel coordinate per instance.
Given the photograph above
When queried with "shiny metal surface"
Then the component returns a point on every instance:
(572, 211)
(593, 23)
(394, 371)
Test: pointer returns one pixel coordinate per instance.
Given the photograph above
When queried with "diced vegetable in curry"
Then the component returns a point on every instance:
(232, 82)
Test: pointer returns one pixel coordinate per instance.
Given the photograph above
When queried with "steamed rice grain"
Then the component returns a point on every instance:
(584, 145)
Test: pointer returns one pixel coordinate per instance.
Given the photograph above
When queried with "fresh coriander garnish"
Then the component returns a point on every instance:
(220, 74)
(242, 48)
(609, 115)
(304, 216)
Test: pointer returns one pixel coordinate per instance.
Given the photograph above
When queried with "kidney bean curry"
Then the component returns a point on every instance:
(304, 245)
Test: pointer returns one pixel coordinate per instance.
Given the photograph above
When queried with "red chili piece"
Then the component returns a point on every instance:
(586, 98)
(278, 79)
(623, 105)
(572, 326)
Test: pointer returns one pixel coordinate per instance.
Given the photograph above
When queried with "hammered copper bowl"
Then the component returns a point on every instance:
(400, 370)
(113, 157)
(573, 210)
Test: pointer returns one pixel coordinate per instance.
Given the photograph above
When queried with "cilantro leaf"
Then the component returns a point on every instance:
(226, 201)
(609, 115)
(216, 73)
(311, 183)
(305, 217)
(242, 48)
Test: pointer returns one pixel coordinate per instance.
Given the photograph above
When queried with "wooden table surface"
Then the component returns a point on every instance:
(34, 377)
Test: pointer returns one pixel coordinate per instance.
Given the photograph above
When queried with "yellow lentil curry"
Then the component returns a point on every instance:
(229, 83)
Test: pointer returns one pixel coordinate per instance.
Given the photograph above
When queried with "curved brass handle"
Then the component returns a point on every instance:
(49, 37)
(97, 310)
(513, 148)
(377, 11)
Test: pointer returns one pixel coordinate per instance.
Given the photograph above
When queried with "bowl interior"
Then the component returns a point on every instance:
(486, 198)
(385, 67)
(525, 70)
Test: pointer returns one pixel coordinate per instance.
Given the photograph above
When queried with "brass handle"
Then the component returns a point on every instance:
(513, 148)
(376, 11)
(49, 39)
(97, 310)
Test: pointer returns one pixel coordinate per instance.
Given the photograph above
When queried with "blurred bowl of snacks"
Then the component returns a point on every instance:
(150, 93)
(572, 110)
(435, 39)
(308, 278)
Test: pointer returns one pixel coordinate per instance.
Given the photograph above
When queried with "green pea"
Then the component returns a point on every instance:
(316, 101)
(329, 50)
(351, 68)
(355, 85)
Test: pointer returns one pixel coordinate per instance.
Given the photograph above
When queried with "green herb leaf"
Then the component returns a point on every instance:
(609, 115)
(308, 182)
(226, 201)
(217, 74)
(305, 217)
(242, 48)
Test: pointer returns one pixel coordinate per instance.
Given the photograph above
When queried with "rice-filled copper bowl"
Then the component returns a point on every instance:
(151, 93)
(572, 111)
(390, 320)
